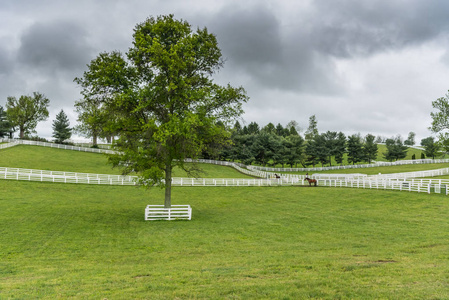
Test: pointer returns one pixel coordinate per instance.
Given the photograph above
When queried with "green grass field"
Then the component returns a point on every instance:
(78, 241)
(44, 158)
(67, 241)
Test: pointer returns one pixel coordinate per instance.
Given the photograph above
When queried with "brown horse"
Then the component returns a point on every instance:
(311, 181)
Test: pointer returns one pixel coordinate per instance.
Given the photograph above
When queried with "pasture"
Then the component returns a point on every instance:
(62, 241)
(44, 158)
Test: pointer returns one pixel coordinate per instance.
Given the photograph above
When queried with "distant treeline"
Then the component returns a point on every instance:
(279, 145)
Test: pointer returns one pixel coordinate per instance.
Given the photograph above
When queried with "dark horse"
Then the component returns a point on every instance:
(311, 181)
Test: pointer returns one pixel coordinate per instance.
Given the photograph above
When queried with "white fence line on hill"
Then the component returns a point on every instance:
(104, 179)
(392, 176)
(259, 171)
(53, 145)
(399, 181)
(377, 164)
(8, 145)
(413, 185)
(421, 186)
(65, 177)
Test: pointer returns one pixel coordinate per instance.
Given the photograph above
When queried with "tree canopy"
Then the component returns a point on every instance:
(25, 112)
(162, 101)
(395, 149)
(431, 147)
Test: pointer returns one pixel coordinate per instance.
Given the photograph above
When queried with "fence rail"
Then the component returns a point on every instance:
(420, 186)
(377, 164)
(413, 185)
(52, 145)
(407, 181)
(104, 179)
(65, 177)
(175, 212)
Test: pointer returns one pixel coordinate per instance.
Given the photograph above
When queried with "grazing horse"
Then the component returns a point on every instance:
(311, 181)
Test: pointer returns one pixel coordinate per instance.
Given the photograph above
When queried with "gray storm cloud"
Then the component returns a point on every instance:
(254, 41)
(357, 64)
(55, 46)
(363, 28)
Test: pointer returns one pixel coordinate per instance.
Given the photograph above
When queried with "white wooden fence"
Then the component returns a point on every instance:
(65, 177)
(420, 186)
(400, 181)
(105, 179)
(11, 143)
(377, 164)
(8, 145)
(175, 212)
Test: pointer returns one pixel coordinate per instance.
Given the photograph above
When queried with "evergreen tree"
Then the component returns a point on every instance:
(311, 154)
(293, 131)
(265, 148)
(61, 128)
(322, 151)
(6, 128)
(355, 154)
(269, 128)
(330, 143)
(293, 127)
(253, 128)
(281, 131)
(294, 151)
(369, 148)
(237, 128)
(340, 148)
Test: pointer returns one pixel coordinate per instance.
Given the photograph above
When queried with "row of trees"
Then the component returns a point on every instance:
(284, 145)
(23, 114)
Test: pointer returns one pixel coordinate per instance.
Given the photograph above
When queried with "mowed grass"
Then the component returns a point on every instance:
(53, 159)
(65, 241)
(382, 149)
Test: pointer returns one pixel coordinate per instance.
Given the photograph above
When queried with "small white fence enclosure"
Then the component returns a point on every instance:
(176, 212)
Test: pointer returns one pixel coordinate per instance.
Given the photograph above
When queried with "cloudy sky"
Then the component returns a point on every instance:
(358, 65)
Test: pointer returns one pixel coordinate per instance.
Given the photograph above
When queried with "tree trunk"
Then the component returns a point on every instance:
(168, 169)
(94, 140)
(22, 133)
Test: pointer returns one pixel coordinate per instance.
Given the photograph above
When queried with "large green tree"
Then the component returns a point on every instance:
(431, 147)
(440, 118)
(410, 141)
(164, 103)
(61, 127)
(312, 130)
(25, 112)
(107, 76)
(395, 149)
